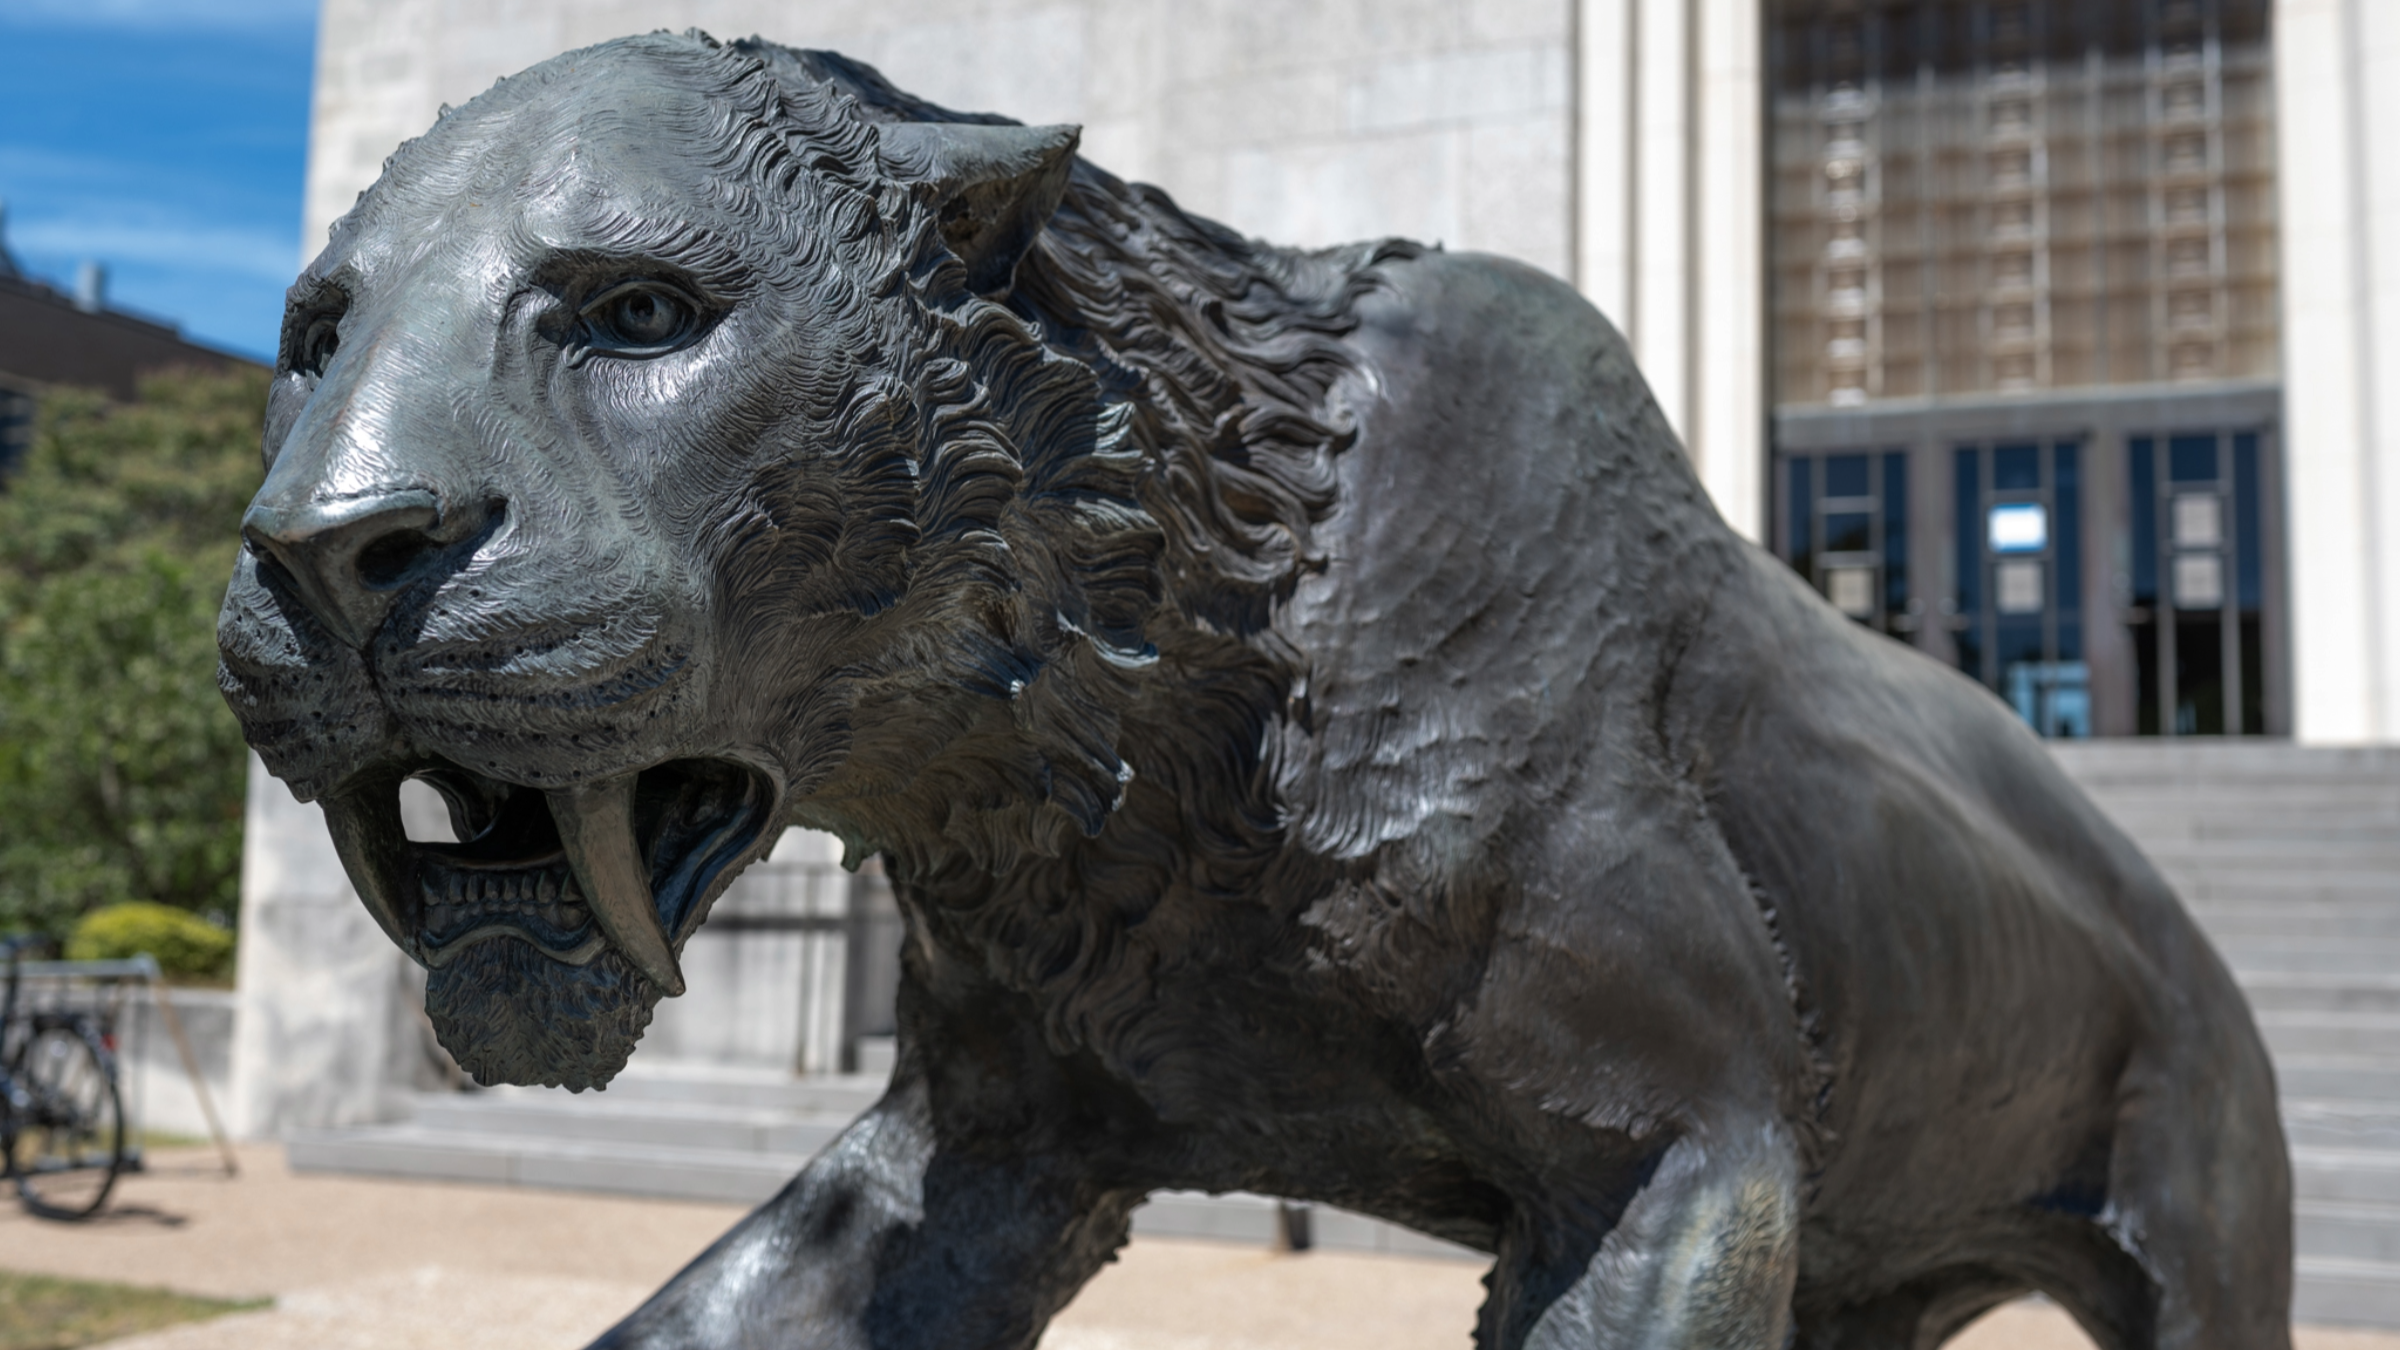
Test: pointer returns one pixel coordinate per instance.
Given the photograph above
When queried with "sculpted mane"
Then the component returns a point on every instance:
(1125, 461)
(1169, 396)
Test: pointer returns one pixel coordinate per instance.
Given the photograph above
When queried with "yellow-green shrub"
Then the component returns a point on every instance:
(183, 942)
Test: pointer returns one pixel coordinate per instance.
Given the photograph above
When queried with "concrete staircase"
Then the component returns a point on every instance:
(695, 1133)
(688, 1133)
(2290, 858)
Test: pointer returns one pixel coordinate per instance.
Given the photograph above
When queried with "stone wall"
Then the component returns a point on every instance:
(1313, 122)
(330, 1027)
(159, 1096)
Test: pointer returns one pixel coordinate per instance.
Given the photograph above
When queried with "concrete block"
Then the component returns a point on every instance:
(1495, 84)
(2343, 1125)
(1399, 1241)
(1124, 86)
(2330, 1033)
(2352, 1176)
(1341, 1230)
(1519, 20)
(2268, 990)
(2359, 1293)
(1209, 39)
(2316, 955)
(1272, 109)
(2349, 1232)
(398, 1151)
(1515, 200)
(834, 1095)
(804, 1138)
(2340, 1076)
(1031, 66)
(683, 1178)
(1317, 195)
(157, 1089)
(328, 1029)
(734, 1131)
(1191, 1214)
(1404, 27)
(878, 1056)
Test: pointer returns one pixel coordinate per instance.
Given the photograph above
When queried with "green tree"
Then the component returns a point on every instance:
(120, 768)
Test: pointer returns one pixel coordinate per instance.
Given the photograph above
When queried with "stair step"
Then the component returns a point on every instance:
(2331, 1033)
(2346, 851)
(751, 1178)
(2348, 1176)
(695, 1125)
(2348, 1231)
(568, 1164)
(2371, 1078)
(1251, 1220)
(2362, 956)
(2330, 1291)
(2348, 1126)
(2359, 874)
(2220, 756)
(2279, 990)
(831, 1094)
(2342, 812)
(2285, 888)
(2233, 923)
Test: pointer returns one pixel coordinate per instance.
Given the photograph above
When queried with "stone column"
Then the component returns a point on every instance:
(2337, 77)
(1670, 219)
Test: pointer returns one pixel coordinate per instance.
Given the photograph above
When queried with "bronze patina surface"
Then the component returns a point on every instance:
(1323, 740)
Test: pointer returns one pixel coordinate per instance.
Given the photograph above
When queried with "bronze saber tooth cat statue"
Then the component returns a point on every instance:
(1323, 740)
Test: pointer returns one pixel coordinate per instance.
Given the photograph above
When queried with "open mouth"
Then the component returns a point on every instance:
(620, 863)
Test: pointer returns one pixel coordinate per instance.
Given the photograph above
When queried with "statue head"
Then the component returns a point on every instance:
(649, 465)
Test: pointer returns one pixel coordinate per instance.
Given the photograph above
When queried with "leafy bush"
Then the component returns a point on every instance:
(120, 767)
(183, 942)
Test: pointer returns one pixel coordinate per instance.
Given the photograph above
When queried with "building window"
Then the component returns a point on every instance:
(2027, 249)
(2011, 197)
(1844, 525)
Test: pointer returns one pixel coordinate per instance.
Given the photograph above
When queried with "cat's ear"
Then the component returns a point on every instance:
(993, 187)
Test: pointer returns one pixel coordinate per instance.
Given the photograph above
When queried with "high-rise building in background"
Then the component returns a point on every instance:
(2052, 337)
(2027, 358)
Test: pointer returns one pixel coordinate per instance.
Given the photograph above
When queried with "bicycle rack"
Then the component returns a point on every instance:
(110, 985)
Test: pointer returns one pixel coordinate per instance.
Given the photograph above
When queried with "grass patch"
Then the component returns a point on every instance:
(41, 1312)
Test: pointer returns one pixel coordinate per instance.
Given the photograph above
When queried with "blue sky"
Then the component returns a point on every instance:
(166, 139)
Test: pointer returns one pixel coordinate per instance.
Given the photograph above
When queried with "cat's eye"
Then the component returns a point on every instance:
(639, 318)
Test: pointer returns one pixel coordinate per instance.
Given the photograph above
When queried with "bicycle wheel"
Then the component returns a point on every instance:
(69, 1141)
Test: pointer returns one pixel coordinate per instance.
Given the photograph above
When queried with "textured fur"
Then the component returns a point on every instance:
(511, 1016)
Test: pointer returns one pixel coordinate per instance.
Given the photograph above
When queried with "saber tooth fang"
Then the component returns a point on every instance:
(595, 825)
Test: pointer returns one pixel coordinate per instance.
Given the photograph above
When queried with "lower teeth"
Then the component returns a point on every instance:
(456, 902)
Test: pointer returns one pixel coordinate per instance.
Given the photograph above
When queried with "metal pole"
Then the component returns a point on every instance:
(191, 1066)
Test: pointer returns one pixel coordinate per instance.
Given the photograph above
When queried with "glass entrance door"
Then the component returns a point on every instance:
(2018, 623)
(2199, 584)
(1845, 528)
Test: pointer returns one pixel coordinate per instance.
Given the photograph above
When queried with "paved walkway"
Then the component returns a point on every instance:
(383, 1265)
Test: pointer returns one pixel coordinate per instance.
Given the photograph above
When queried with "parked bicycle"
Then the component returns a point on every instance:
(62, 1121)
